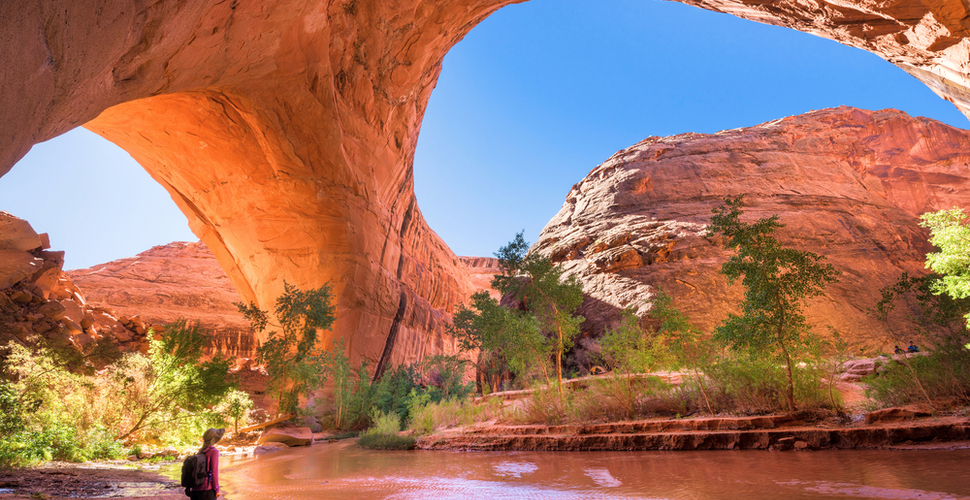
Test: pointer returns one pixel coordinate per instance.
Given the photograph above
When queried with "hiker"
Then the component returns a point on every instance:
(912, 347)
(898, 350)
(210, 488)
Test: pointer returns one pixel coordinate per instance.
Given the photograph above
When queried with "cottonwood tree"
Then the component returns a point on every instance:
(950, 233)
(776, 280)
(540, 285)
(292, 358)
(504, 339)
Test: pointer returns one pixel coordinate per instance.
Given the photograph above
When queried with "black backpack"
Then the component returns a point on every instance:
(195, 470)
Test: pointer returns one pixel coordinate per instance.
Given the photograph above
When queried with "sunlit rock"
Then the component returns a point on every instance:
(286, 130)
(848, 184)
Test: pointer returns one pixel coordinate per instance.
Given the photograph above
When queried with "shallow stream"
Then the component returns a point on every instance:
(343, 470)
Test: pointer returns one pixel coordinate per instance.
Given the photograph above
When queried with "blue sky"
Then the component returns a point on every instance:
(527, 104)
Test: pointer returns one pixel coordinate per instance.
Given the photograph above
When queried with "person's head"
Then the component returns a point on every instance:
(212, 436)
(910, 342)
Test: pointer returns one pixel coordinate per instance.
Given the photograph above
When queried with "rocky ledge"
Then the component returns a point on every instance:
(888, 428)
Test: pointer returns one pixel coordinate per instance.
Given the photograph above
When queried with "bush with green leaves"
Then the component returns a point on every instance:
(167, 395)
(630, 349)
(940, 378)
(383, 435)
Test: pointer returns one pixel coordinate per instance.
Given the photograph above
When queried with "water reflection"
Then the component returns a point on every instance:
(342, 470)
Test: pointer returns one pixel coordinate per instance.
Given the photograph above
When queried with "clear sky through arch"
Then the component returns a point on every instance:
(527, 104)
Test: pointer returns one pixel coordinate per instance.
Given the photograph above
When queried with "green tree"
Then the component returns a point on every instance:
(291, 356)
(950, 233)
(630, 349)
(503, 339)
(540, 285)
(235, 407)
(776, 280)
(173, 382)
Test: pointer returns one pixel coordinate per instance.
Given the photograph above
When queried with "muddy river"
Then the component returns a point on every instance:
(342, 470)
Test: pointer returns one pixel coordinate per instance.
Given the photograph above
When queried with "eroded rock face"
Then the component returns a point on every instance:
(848, 184)
(286, 130)
(40, 304)
(168, 282)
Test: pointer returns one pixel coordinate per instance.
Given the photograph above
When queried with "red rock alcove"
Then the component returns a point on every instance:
(286, 130)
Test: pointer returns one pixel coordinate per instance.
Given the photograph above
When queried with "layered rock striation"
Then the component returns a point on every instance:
(847, 183)
(286, 130)
(169, 282)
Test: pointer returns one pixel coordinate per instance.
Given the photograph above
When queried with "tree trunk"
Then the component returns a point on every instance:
(791, 382)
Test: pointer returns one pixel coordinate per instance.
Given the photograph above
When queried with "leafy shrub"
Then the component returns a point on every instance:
(941, 377)
(629, 349)
(755, 386)
(386, 442)
(393, 390)
(384, 434)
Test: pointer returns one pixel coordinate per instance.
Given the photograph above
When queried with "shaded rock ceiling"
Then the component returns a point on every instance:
(285, 130)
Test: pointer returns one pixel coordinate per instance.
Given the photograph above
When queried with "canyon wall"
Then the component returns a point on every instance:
(285, 130)
(168, 282)
(847, 183)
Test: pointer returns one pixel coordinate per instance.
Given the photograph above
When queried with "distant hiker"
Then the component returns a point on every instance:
(912, 347)
(898, 350)
(209, 489)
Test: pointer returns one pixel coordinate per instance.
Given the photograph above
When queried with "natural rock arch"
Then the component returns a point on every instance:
(286, 131)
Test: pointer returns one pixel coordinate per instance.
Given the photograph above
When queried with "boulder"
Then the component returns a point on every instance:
(53, 310)
(16, 234)
(269, 448)
(72, 310)
(890, 415)
(15, 265)
(290, 436)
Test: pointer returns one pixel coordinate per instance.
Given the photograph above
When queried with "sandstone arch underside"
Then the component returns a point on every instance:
(286, 130)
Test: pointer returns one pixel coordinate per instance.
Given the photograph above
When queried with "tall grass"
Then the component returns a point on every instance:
(941, 379)
(429, 417)
(384, 434)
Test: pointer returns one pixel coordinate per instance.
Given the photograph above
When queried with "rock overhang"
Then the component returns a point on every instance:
(286, 131)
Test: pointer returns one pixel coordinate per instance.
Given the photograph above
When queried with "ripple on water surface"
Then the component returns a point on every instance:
(342, 470)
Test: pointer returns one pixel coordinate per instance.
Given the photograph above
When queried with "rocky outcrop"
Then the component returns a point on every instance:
(290, 436)
(38, 301)
(847, 183)
(286, 130)
(168, 282)
(777, 433)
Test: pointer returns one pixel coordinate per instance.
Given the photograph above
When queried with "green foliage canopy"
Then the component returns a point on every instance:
(950, 233)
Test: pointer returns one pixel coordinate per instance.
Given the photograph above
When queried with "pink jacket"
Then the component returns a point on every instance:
(212, 482)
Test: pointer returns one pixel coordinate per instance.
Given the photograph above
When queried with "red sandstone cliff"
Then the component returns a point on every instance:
(286, 130)
(848, 183)
(168, 282)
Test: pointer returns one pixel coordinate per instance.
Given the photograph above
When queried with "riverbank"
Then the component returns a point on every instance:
(893, 428)
(69, 481)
